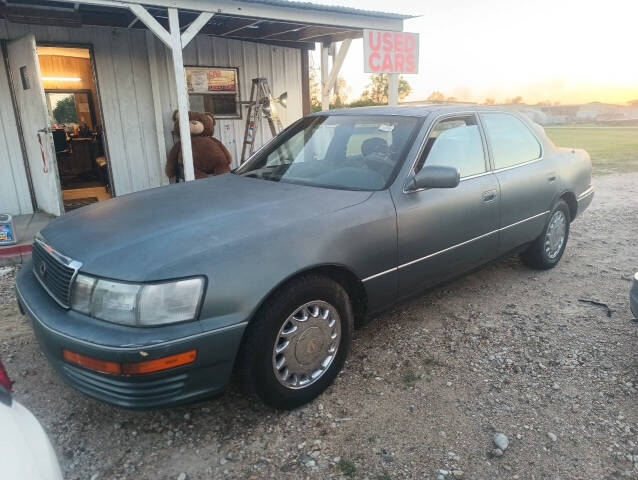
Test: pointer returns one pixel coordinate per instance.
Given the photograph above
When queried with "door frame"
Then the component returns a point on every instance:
(100, 114)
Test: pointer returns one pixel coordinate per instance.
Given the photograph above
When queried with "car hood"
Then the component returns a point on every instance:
(132, 237)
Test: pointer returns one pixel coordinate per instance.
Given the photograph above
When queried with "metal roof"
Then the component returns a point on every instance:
(247, 20)
(331, 8)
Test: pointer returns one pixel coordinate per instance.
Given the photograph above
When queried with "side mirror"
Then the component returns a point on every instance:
(436, 176)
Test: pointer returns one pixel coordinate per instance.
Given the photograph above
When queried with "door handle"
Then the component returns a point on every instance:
(489, 196)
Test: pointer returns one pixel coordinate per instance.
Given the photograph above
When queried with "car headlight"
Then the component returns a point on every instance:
(135, 304)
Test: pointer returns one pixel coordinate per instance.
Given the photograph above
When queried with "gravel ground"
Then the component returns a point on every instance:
(428, 385)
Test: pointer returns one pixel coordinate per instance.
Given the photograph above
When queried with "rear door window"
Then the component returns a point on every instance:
(511, 141)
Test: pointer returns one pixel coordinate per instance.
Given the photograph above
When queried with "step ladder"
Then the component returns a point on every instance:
(261, 105)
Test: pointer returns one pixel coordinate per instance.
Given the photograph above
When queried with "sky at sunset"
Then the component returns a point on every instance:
(570, 51)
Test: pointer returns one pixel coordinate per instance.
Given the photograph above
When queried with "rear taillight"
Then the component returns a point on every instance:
(5, 386)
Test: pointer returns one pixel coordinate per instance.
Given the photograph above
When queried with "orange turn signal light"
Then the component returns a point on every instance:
(92, 363)
(139, 368)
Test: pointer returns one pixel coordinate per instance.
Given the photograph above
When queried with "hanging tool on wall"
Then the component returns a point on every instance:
(261, 105)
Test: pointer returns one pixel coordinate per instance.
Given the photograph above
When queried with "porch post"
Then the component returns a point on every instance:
(393, 89)
(182, 95)
(325, 93)
(175, 40)
(329, 76)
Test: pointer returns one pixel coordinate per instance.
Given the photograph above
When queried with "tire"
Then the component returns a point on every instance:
(310, 341)
(543, 253)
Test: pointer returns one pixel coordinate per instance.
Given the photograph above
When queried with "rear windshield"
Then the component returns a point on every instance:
(343, 152)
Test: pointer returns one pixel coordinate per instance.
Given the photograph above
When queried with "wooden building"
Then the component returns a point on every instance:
(122, 68)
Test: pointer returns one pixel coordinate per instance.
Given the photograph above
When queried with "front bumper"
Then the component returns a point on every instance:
(57, 329)
(633, 297)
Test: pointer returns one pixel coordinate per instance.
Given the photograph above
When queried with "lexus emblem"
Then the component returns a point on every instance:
(312, 347)
(42, 268)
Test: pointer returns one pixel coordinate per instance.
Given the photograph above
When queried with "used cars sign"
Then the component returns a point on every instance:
(390, 52)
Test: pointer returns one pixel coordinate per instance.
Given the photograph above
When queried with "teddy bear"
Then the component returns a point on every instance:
(210, 156)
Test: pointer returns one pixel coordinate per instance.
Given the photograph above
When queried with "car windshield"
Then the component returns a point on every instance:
(350, 152)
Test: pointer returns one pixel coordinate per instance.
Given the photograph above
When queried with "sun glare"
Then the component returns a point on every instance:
(565, 51)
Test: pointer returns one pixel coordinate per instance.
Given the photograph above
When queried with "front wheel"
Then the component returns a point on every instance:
(548, 248)
(297, 343)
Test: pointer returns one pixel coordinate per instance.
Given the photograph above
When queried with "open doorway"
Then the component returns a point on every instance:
(74, 115)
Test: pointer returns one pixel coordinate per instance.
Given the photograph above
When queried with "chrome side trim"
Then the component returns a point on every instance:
(390, 270)
(524, 220)
(412, 262)
(127, 348)
(504, 169)
(448, 249)
(586, 193)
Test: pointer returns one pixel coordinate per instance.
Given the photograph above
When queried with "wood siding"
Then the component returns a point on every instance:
(126, 87)
(280, 65)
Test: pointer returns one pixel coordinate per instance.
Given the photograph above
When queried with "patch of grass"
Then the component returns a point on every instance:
(347, 467)
(409, 377)
(384, 476)
(612, 149)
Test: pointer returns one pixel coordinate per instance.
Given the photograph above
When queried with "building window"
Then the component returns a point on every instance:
(214, 90)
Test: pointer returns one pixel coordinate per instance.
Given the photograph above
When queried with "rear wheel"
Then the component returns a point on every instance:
(297, 343)
(548, 248)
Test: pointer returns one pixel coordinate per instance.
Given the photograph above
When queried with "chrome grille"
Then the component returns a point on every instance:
(54, 271)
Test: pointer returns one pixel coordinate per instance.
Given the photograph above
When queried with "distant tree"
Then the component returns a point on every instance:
(633, 103)
(436, 96)
(341, 93)
(544, 103)
(451, 99)
(514, 101)
(363, 102)
(377, 90)
(489, 101)
(64, 111)
(315, 90)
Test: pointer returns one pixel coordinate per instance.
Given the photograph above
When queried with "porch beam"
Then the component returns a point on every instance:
(329, 76)
(336, 65)
(194, 28)
(152, 24)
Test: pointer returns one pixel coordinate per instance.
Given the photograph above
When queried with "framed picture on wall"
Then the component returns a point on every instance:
(214, 90)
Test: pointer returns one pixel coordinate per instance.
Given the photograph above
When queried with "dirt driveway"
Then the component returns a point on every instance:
(428, 384)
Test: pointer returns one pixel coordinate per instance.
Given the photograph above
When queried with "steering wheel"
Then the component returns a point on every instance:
(381, 165)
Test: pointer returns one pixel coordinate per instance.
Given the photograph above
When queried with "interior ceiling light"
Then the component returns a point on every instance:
(62, 79)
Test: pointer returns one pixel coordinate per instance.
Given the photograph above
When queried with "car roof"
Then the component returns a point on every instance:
(413, 110)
